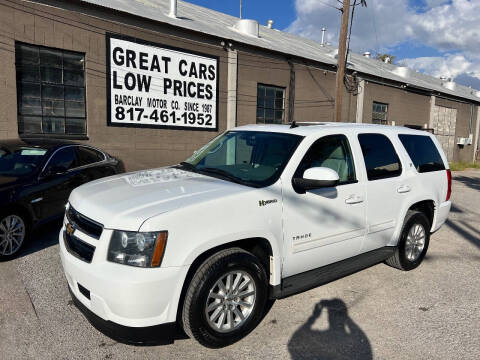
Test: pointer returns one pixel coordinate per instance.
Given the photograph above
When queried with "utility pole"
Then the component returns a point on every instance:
(240, 9)
(342, 47)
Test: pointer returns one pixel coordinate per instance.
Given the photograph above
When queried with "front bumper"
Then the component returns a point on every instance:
(120, 294)
(151, 335)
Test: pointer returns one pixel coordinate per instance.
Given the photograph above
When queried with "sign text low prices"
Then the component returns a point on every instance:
(155, 86)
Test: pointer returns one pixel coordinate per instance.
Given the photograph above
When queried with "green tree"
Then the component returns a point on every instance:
(382, 57)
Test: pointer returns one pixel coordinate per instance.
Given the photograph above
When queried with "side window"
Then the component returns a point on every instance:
(381, 160)
(64, 158)
(332, 152)
(423, 152)
(87, 156)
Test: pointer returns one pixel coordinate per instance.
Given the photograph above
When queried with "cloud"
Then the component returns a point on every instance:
(450, 66)
(452, 28)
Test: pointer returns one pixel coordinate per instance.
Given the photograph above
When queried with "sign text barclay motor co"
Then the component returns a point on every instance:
(154, 86)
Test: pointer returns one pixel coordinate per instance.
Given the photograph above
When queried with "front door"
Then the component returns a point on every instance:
(57, 187)
(326, 225)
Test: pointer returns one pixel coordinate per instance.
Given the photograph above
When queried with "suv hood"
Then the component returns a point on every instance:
(125, 201)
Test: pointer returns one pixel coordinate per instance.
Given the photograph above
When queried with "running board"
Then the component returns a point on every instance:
(310, 279)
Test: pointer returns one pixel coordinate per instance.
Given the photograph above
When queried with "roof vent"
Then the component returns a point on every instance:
(443, 78)
(247, 27)
(450, 85)
(270, 24)
(401, 71)
(173, 9)
(367, 54)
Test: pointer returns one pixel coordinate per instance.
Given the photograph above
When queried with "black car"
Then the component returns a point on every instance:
(36, 178)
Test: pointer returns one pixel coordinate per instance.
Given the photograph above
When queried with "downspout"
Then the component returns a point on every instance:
(360, 101)
(475, 142)
(291, 93)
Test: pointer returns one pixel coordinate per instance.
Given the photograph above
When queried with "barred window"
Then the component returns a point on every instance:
(379, 113)
(50, 90)
(270, 104)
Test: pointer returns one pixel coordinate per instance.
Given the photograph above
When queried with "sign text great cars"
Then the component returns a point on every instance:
(160, 87)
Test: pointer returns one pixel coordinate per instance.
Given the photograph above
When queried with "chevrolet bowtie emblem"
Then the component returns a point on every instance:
(70, 229)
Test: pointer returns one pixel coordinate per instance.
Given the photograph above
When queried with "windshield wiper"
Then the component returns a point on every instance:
(188, 166)
(222, 173)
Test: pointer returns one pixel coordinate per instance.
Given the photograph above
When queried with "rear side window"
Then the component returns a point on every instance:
(88, 156)
(65, 158)
(381, 160)
(423, 152)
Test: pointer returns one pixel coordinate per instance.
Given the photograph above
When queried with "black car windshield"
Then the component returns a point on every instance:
(253, 158)
(21, 161)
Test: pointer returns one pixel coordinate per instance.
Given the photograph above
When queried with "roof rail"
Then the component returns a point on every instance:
(295, 124)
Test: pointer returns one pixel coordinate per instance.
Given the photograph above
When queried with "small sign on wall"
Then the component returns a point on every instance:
(151, 85)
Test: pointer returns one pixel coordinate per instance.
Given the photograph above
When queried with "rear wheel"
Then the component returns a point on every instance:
(413, 244)
(225, 299)
(13, 232)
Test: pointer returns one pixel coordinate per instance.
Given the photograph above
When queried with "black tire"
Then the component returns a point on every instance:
(194, 319)
(399, 259)
(26, 225)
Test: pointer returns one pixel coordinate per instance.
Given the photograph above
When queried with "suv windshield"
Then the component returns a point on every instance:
(252, 158)
(21, 161)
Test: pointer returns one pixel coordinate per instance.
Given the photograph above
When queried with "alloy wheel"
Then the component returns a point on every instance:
(230, 301)
(12, 234)
(415, 242)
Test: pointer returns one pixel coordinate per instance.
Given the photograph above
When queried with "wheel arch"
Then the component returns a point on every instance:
(21, 210)
(259, 246)
(424, 205)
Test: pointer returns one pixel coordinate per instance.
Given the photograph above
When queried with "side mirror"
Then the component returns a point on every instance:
(315, 178)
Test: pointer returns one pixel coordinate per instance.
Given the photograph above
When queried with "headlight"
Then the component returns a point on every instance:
(142, 249)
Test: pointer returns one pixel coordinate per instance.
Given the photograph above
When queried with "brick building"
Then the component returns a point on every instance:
(150, 83)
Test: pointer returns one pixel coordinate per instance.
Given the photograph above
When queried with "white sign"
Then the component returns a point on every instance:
(153, 86)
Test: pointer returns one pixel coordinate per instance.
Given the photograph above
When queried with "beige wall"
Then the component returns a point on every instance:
(145, 148)
(462, 153)
(404, 108)
(138, 148)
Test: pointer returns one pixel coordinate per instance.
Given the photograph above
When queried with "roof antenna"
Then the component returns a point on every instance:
(293, 125)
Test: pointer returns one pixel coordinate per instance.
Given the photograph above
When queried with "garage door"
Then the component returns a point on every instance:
(444, 124)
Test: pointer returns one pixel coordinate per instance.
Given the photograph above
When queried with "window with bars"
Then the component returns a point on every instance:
(270, 104)
(50, 91)
(379, 113)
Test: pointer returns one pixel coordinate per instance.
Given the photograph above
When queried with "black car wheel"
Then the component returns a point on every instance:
(225, 299)
(413, 243)
(13, 232)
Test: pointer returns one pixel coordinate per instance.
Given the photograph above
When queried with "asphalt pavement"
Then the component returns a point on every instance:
(432, 312)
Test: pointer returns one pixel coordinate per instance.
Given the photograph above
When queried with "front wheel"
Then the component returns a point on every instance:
(13, 231)
(225, 299)
(413, 244)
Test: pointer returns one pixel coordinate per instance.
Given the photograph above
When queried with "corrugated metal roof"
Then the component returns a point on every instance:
(203, 20)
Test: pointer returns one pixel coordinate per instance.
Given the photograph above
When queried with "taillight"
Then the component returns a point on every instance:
(449, 180)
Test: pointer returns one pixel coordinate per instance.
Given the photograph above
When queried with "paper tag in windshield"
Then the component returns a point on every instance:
(148, 177)
(33, 152)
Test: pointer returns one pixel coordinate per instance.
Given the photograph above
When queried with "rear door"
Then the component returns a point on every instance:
(386, 189)
(325, 225)
(92, 164)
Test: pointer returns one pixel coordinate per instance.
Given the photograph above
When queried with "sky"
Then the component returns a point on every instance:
(438, 37)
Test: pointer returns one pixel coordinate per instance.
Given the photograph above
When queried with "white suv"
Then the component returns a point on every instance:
(259, 213)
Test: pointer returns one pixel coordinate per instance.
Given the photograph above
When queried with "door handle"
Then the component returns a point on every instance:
(353, 199)
(403, 189)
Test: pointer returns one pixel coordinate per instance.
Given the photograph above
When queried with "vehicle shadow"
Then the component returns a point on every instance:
(42, 237)
(342, 340)
(467, 232)
(470, 181)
